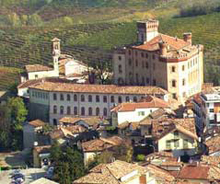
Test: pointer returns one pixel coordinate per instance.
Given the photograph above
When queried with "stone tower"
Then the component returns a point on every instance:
(56, 53)
(147, 30)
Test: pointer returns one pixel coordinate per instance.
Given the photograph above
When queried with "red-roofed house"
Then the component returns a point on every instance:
(136, 111)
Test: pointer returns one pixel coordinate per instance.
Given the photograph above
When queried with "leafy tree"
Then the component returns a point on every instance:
(55, 152)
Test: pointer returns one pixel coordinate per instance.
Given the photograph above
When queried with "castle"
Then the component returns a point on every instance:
(160, 60)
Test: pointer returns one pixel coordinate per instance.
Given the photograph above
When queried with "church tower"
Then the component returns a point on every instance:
(56, 54)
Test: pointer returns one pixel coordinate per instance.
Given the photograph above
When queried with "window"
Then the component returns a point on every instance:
(82, 111)
(68, 97)
(54, 96)
(75, 97)
(82, 98)
(36, 76)
(119, 99)
(90, 98)
(61, 110)
(176, 143)
(127, 99)
(142, 54)
(75, 111)
(176, 134)
(61, 97)
(90, 111)
(147, 65)
(97, 98)
(168, 145)
(119, 58)
(183, 68)
(141, 113)
(154, 82)
(174, 96)
(129, 61)
(55, 109)
(173, 69)
(105, 112)
(135, 99)
(105, 99)
(112, 99)
(153, 56)
(97, 111)
(173, 83)
(129, 52)
(211, 110)
(68, 110)
(136, 62)
(183, 82)
(55, 122)
(185, 143)
(137, 78)
(147, 80)
(146, 55)
(119, 68)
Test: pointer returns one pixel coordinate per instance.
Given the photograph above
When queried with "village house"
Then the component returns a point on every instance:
(94, 147)
(59, 99)
(160, 60)
(117, 172)
(175, 135)
(136, 111)
(41, 156)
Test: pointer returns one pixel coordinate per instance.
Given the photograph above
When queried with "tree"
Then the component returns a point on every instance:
(55, 152)
(18, 110)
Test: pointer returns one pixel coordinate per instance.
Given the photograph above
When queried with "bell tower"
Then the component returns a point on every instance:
(56, 53)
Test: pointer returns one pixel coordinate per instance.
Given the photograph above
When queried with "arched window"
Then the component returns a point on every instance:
(97, 98)
(90, 98)
(82, 111)
(75, 111)
(119, 68)
(68, 97)
(82, 98)
(61, 97)
(127, 99)
(97, 111)
(55, 109)
(90, 111)
(119, 99)
(68, 110)
(129, 61)
(173, 83)
(75, 97)
(105, 112)
(61, 110)
(105, 99)
(147, 65)
(112, 99)
(135, 99)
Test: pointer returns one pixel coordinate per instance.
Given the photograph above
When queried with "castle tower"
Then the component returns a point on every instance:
(56, 53)
(147, 30)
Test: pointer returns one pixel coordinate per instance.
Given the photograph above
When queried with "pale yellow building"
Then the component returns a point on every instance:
(160, 60)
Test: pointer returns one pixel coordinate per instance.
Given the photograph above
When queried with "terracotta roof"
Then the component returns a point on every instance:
(61, 133)
(124, 125)
(171, 163)
(29, 83)
(213, 160)
(94, 120)
(160, 128)
(101, 144)
(42, 149)
(213, 144)
(43, 181)
(199, 172)
(151, 102)
(153, 44)
(161, 174)
(95, 88)
(37, 68)
(111, 173)
(37, 123)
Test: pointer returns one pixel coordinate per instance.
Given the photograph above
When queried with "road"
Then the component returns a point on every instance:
(30, 175)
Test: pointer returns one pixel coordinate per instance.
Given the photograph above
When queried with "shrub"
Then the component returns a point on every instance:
(140, 157)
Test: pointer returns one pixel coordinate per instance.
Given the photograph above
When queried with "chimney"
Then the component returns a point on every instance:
(147, 30)
(187, 37)
(163, 48)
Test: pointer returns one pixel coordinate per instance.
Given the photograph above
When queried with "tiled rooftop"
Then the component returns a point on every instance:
(213, 144)
(37, 68)
(37, 123)
(102, 89)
